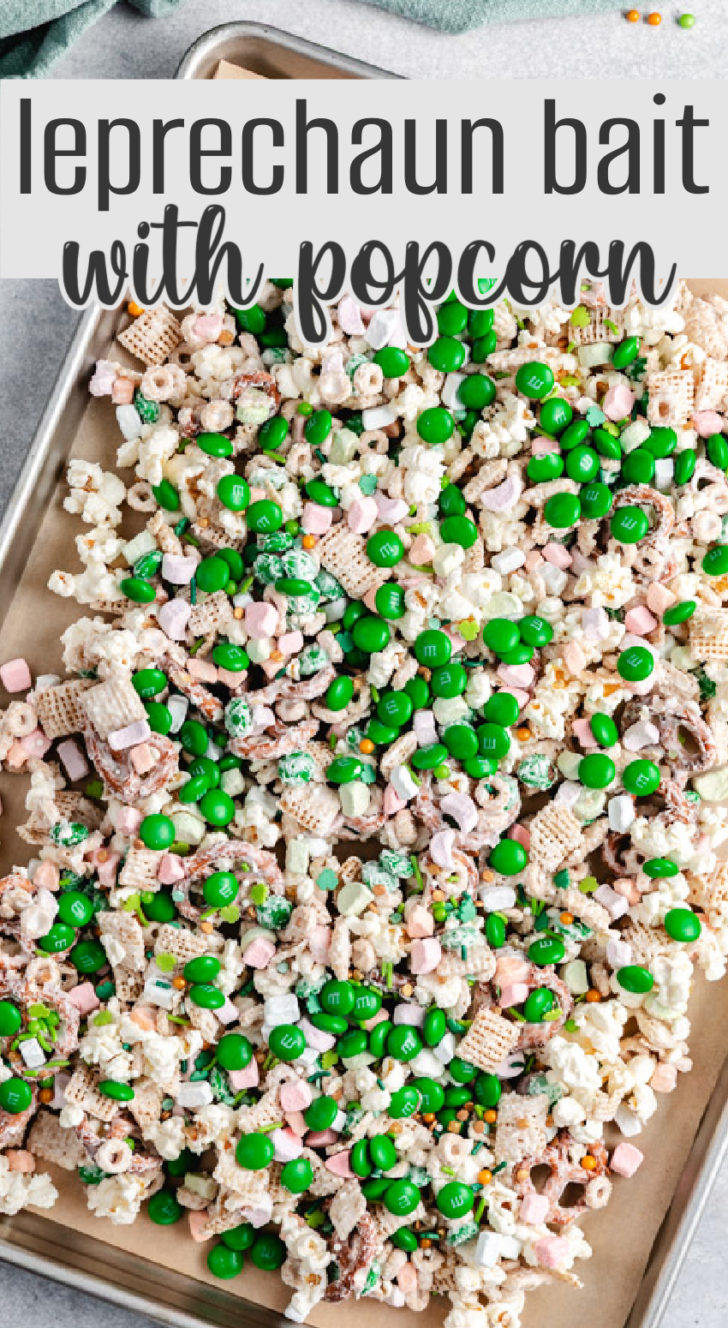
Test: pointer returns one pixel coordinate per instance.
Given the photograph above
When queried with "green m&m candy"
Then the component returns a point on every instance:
(404, 1043)
(75, 909)
(546, 950)
(166, 495)
(574, 435)
(378, 1038)
(59, 936)
(252, 319)
(405, 1239)
(679, 613)
(435, 425)
(684, 466)
(433, 648)
(635, 978)
(660, 868)
(148, 682)
(597, 770)
(715, 562)
(193, 737)
(501, 708)
(224, 1263)
(638, 467)
(88, 956)
(164, 1209)
(214, 444)
(159, 907)
(508, 858)
(604, 730)
(449, 680)
(541, 469)
(231, 657)
(562, 510)
(234, 1051)
(455, 1199)
(535, 631)
(641, 778)
(385, 548)
(287, 1042)
(681, 924)
(156, 831)
(10, 1019)
(538, 1003)
(344, 769)
(383, 1152)
(370, 634)
(297, 1175)
(431, 1094)
(447, 354)
(461, 741)
(254, 1151)
(240, 1237)
(159, 717)
(318, 427)
(352, 1044)
(429, 758)
(339, 693)
(273, 433)
(401, 1197)
(434, 1027)
(234, 493)
(203, 968)
(661, 442)
(452, 317)
(321, 493)
(393, 361)
(451, 501)
(487, 1090)
(268, 1251)
(389, 600)
(635, 663)
(626, 352)
(135, 588)
(629, 525)
(264, 516)
(582, 464)
(322, 1113)
(217, 807)
(555, 415)
(595, 499)
(493, 741)
(501, 635)
(534, 380)
(495, 930)
(337, 997)
(15, 1095)
(419, 691)
(395, 708)
(606, 444)
(207, 997)
(220, 889)
(458, 530)
(405, 1102)
(367, 1003)
(462, 1071)
(116, 1090)
(476, 391)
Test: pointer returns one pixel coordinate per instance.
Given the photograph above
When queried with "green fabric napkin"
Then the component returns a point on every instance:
(34, 33)
(462, 15)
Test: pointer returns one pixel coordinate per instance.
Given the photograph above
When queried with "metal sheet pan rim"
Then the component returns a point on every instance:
(711, 1143)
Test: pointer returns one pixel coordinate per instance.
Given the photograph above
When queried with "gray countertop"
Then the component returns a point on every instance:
(35, 327)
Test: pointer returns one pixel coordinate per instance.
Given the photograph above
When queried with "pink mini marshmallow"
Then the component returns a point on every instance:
(534, 1208)
(581, 730)
(247, 1078)
(259, 1213)
(664, 1078)
(362, 515)
(462, 809)
(227, 1013)
(171, 869)
(425, 955)
(391, 801)
(15, 675)
(230, 678)
(618, 402)
(16, 756)
(84, 998)
(659, 598)
(338, 1164)
(316, 520)
(173, 618)
(418, 922)
(207, 327)
(391, 510)
(510, 968)
(423, 723)
(106, 868)
(316, 1037)
(421, 551)
(407, 1279)
(707, 422)
(513, 993)
(553, 1251)
(349, 317)
(143, 758)
(74, 762)
(290, 643)
(259, 953)
(178, 568)
(626, 1159)
(639, 620)
(261, 620)
(534, 559)
(122, 393)
(270, 668)
(297, 1123)
(503, 496)
(197, 1222)
(595, 623)
(542, 446)
(557, 555)
(321, 1138)
(295, 1095)
(441, 846)
(287, 1145)
(103, 378)
(122, 739)
(624, 885)
(520, 834)
(319, 940)
(46, 875)
(516, 675)
(615, 904)
(20, 1159)
(370, 599)
(203, 670)
(574, 658)
(35, 744)
(128, 820)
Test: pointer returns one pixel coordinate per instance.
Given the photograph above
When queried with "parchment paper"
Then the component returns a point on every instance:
(227, 70)
(621, 1235)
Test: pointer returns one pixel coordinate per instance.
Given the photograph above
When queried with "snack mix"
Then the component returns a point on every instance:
(377, 823)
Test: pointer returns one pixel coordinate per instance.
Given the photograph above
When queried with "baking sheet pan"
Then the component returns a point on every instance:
(638, 1242)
